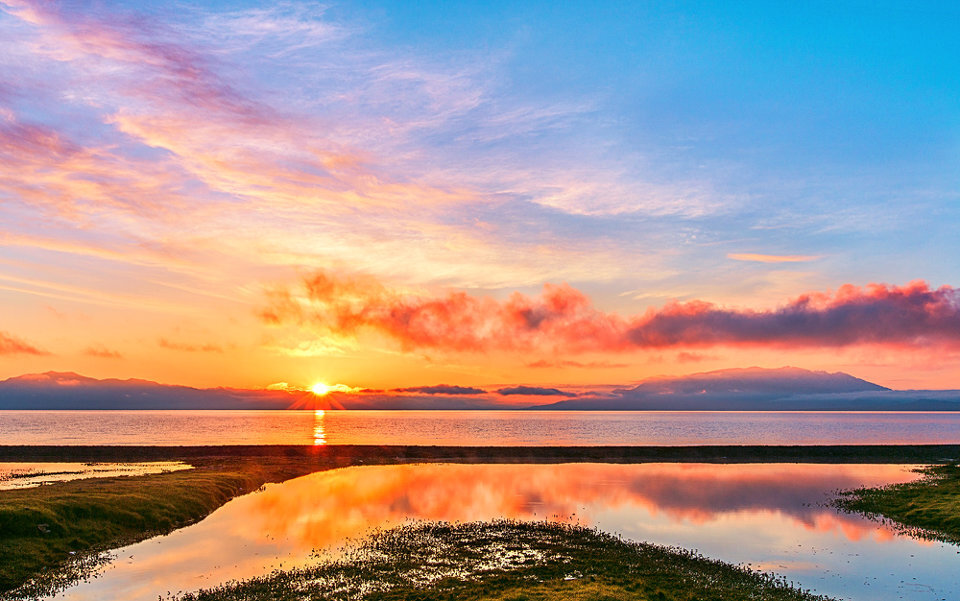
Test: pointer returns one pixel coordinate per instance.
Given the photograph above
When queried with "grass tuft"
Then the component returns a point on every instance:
(926, 508)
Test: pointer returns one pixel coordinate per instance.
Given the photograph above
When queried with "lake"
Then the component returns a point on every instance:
(475, 428)
(770, 516)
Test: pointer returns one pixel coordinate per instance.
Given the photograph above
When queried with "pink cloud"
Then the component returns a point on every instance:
(901, 315)
(140, 44)
(562, 317)
(46, 168)
(167, 89)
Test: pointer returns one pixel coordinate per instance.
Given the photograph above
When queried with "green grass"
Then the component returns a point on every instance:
(509, 561)
(51, 535)
(929, 507)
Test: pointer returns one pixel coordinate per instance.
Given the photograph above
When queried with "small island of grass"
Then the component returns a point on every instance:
(928, 507)
(510, 561)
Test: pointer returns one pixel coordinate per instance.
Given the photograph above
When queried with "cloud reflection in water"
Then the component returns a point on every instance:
(285, 522)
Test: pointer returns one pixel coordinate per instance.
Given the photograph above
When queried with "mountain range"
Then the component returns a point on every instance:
(742, 389)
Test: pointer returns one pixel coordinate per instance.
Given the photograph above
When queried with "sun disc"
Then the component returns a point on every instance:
(320, 389)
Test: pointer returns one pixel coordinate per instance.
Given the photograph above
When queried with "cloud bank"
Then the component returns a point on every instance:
(443, 389)
(562, 317)
(534, 391)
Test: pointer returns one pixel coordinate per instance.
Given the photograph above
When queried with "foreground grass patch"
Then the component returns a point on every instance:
(928, 508)
(51, 535)
(509, 561)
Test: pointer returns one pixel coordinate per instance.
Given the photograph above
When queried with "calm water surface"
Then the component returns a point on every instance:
(499, 428)
(30, 474)
(768, 515)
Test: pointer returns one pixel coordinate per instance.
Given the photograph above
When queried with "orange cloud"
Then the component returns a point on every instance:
(11, 345)
(565, 318)
(190, 348)
(102, 352)
(544, 364)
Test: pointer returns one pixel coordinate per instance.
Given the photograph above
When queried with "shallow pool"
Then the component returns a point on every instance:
(770, 516)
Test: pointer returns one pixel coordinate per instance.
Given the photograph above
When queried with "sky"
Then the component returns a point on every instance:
(397, 194)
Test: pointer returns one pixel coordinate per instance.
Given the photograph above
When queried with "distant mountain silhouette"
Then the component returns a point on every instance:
(759, 389)
(68, 390)
(750, 389)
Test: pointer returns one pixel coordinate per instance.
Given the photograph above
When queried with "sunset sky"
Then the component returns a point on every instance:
(398, 194)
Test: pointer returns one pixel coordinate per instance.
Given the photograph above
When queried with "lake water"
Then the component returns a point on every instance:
(769, 516)
(474, 428)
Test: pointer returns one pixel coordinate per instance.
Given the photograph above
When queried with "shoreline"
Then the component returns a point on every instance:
(876, 453)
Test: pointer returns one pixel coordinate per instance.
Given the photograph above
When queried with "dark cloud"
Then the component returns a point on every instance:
(534, 391)
(442, 389)
(878, 314)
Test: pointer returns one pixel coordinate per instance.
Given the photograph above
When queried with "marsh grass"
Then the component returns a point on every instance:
(509, 561)
(53, 535)
(926, 508)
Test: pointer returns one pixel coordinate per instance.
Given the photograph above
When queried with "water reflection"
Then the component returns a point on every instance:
(763, 514)
(474, 428)
(319, 433)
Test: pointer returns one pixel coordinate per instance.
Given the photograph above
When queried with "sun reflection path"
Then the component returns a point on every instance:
(319, 434)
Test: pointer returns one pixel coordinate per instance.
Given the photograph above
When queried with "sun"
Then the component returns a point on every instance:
(320, 389)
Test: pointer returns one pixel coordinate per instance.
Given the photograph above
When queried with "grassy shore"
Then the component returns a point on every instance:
(510, 561)
(929, 507)
(51, 535)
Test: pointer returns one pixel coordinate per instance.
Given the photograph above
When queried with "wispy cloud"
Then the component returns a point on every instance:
(544, 364)
(760, 258)
(184, 123)
(188, 347)
(11, 345)
(102, 352)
